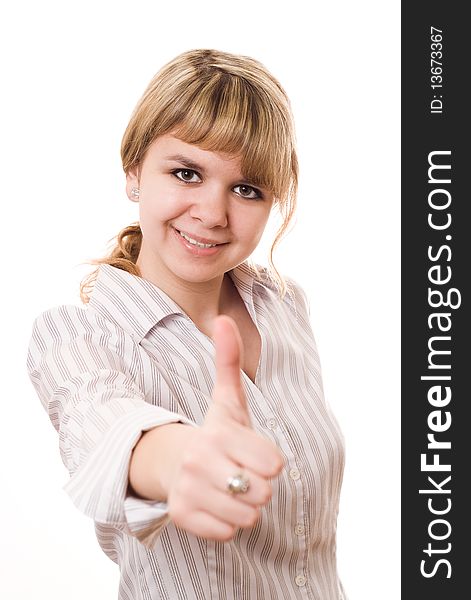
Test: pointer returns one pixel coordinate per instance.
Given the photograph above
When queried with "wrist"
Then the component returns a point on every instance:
(155, 458)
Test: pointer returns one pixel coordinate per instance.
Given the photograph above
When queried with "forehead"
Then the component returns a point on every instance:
(168, 148)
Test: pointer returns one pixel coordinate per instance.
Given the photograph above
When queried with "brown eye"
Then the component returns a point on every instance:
(246, 190)
(185, 175)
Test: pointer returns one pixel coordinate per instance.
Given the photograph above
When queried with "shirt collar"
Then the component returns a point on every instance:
(137, 305)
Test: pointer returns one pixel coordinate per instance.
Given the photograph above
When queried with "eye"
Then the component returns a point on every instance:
(185, 175)
(247, 189)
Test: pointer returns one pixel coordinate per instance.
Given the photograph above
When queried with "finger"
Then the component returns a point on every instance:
(204, 525)
(228, 388)
(228, 352)
(225, 507)
(255, 452)
(217, 471)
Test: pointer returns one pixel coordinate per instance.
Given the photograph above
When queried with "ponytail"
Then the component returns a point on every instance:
(123, 256)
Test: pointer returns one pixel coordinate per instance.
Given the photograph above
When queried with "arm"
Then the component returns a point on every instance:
(87, 374)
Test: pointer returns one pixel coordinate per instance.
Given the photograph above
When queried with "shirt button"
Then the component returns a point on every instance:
(294, 474)
(300, 580)
(271, 423)
(299, 529)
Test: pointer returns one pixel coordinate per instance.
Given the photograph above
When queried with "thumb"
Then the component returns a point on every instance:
(229, 352)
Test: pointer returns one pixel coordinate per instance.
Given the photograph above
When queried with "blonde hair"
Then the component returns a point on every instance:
(220, 102)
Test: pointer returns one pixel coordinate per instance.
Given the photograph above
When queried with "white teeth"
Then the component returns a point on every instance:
(189, 239)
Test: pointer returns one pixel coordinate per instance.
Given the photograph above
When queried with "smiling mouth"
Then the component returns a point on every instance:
(197, 243)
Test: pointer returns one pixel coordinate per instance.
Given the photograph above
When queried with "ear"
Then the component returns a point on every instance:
(132, 181)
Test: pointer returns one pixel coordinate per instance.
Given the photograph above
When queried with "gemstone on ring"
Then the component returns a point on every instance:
(238, 484)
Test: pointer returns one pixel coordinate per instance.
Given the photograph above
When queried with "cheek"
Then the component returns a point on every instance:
(250, 224)
(162, 207)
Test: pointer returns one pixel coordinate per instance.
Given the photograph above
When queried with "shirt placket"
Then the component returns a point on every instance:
(294, 471)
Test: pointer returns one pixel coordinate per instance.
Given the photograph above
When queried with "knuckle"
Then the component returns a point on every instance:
(277, 463)
(253, 517)
(191, 460)
(176, 513)
(188, 465)
(274, 461)
(228, 534)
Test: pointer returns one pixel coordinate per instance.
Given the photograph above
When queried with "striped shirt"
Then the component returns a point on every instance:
(132, 360)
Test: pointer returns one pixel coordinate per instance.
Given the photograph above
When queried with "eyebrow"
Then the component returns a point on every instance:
(186, 161)
(191, 164)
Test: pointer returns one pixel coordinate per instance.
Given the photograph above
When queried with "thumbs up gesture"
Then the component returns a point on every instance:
(229, 399)
(226, 444)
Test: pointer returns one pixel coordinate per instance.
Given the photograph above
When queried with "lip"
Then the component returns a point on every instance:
(198, 238)
(196, 251)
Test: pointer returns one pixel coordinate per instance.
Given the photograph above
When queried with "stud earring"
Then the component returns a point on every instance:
(135, 194)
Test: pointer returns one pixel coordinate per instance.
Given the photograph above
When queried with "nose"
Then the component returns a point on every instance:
(209, 206)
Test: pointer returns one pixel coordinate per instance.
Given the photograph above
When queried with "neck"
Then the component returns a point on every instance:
(202, 301)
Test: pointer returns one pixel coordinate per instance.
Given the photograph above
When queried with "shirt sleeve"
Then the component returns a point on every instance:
(86, 374)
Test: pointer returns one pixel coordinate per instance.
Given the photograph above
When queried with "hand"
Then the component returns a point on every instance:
(225, 444)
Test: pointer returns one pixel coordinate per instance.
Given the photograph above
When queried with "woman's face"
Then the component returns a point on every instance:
(184, 189)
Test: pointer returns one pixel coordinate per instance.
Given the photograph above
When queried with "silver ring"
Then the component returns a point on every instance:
(238, 484)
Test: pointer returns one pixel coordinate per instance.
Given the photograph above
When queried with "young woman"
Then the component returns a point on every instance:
(187, 391)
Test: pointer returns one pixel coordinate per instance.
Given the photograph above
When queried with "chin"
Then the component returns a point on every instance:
(197, 273)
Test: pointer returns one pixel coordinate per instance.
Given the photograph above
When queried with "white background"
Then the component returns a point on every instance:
(71, 75)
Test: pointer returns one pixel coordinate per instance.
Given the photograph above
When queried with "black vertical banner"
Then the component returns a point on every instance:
(436, 270)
